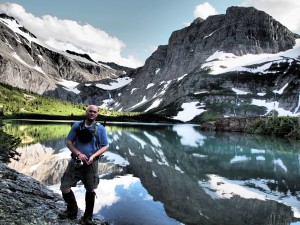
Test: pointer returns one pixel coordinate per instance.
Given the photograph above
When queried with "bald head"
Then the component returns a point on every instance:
(92, 107)
(91, 113)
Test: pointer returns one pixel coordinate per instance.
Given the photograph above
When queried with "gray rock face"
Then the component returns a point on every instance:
(24, 200)
(240, 31)
(31, 66)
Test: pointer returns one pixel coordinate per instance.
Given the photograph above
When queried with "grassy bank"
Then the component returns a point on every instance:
(285, 127)
(15, 102)
(288, 127)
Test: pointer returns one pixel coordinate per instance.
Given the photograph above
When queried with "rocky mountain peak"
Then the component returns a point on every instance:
(4, 16)
(248, 27)
(241, 31)
(197, 21)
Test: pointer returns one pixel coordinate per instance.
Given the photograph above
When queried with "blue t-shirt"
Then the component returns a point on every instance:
(91, 147)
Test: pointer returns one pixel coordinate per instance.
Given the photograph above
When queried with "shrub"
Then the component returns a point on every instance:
(277, 126)
(8, 145)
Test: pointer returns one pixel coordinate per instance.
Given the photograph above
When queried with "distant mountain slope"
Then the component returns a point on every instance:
(28, 63)
(208, 68)
(242, 63)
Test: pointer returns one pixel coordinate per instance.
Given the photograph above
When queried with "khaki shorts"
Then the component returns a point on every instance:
(88, 174)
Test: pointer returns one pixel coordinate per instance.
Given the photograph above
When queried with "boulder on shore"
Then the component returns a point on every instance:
(24, 200)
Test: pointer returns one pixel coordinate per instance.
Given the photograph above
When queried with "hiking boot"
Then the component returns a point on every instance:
(87, 221)
(68, 214)
(72, 208)
(89, 207)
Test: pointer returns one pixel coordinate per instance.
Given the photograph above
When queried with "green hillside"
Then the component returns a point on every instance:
(15, 102)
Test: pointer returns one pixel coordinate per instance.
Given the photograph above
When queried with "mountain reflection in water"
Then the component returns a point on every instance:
(177, 174)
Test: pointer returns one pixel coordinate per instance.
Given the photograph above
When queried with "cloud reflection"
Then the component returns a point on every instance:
(189, 136)
(106, 192)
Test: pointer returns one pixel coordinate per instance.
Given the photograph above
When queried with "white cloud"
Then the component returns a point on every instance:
(204, 10)
(150, 49)
(186, 24)
(62, 34)
(285, 11)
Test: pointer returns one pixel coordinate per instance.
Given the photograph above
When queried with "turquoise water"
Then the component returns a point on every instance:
(176, 174)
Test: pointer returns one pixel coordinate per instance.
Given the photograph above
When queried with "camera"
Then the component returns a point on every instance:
(78, 163)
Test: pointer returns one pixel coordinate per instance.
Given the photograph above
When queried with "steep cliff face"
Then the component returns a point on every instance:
(184, 71)
(240, 31)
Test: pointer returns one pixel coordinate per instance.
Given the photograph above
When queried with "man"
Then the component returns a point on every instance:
(86, 144)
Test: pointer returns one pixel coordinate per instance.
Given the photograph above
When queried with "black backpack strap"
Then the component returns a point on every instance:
(96, 126)
(81, 124)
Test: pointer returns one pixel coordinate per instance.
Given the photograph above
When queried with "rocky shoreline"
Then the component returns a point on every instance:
(26, 201)
(230, 124)
(284, 127)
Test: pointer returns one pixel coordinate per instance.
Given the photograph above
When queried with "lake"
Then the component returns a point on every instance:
(162, 174)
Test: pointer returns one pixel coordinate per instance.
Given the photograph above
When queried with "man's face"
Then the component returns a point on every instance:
(92, 113)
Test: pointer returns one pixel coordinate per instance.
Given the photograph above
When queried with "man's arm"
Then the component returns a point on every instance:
(72, 148)
(75, 151)
(97, 153)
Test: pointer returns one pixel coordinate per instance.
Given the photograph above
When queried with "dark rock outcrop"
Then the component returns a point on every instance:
(231, 124)
(23, 200)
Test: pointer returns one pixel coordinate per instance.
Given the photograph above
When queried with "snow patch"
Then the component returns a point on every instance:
(180, 78)
(281, 90)
(190, 110)
(273, 106)
(261, 94)
(155, 104)
(115, 84)
(239, 92)
(14, 26)
(132, 90)
(69, 85)
(150, 85)
(221, 62)
(148, 159)
(209, 34)
(144, 100)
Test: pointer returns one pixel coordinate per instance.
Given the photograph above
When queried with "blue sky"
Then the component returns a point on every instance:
(126, 31)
